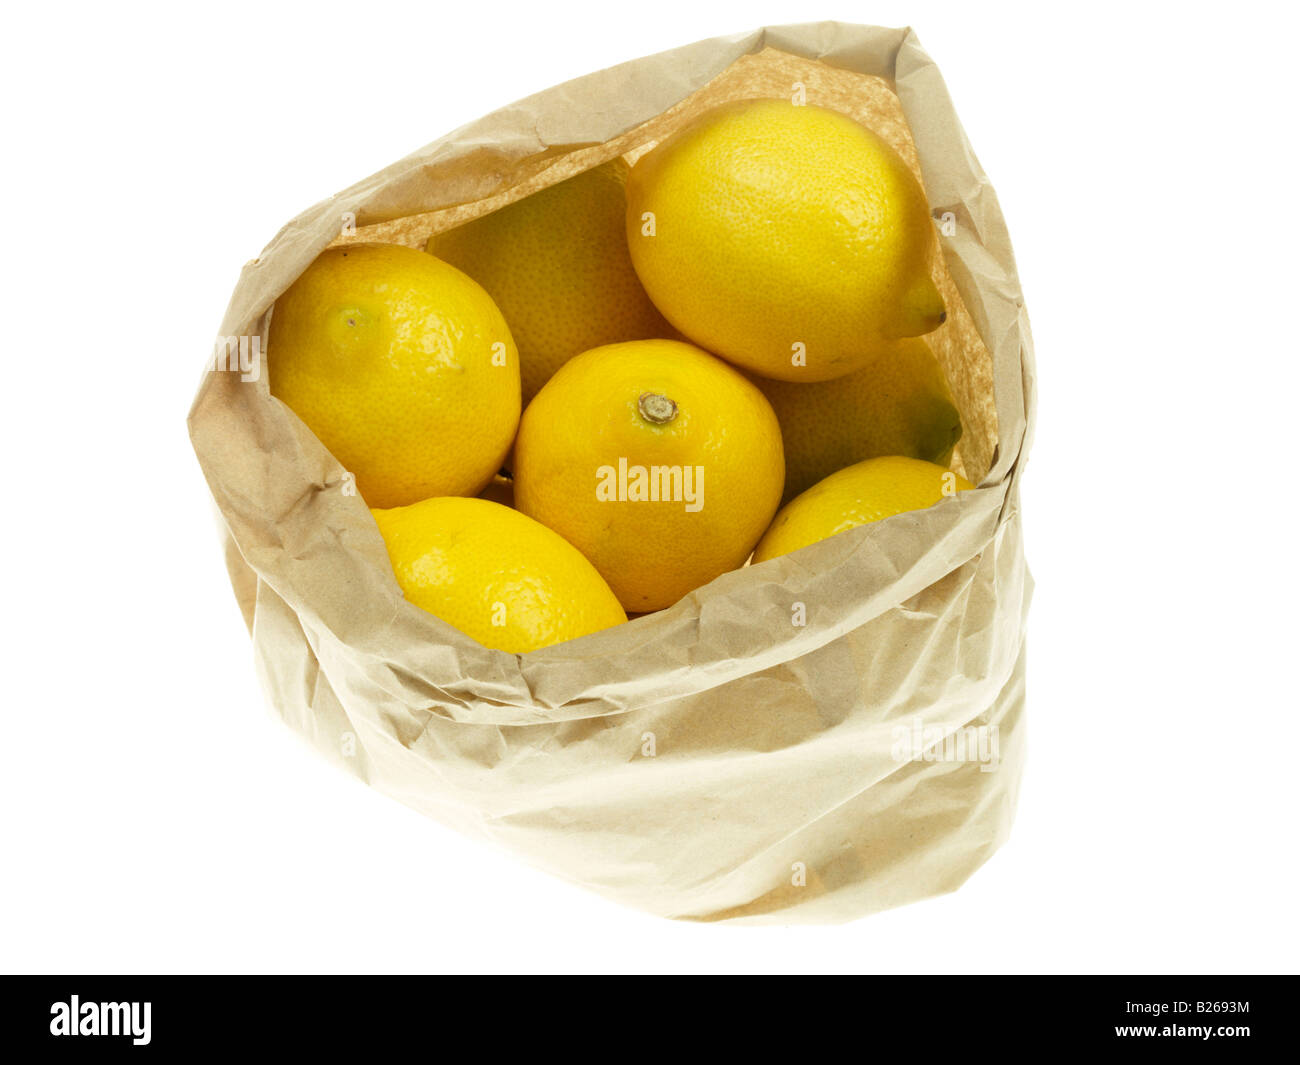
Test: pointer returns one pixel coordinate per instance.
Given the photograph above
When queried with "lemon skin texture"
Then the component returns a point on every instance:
(402, 366)
(782, 237)
(600, 408)
(865, 492)
(557, 264)
(495, 574)
(898, 404)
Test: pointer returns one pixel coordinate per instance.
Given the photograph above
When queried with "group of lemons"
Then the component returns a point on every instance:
(596, 399)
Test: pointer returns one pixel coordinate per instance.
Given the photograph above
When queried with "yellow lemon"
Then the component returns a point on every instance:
(556, 262)
(866, 492)
(402, 366)
(897, 404)
(659, 462)
(782, 238)
(498, 576)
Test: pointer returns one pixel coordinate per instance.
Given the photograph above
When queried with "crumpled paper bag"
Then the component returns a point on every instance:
(812, 739)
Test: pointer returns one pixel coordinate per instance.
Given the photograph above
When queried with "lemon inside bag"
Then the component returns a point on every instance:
(770, 73)
(774, 793)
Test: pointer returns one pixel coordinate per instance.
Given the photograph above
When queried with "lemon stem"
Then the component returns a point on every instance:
(656, 409)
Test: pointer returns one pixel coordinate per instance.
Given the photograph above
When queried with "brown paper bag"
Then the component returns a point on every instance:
(815, 738)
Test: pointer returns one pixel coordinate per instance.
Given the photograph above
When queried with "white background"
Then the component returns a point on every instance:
(157, 817)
